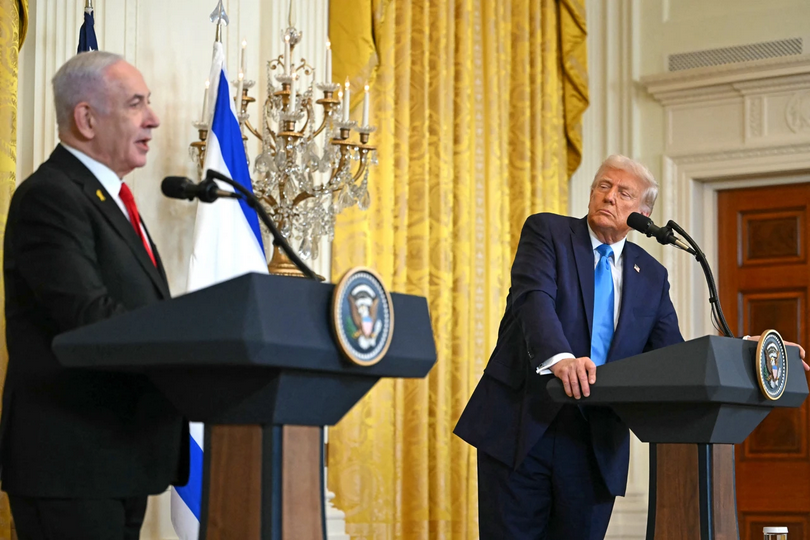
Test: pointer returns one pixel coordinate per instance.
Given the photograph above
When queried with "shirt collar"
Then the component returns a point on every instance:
(617, 248)
(103, 174)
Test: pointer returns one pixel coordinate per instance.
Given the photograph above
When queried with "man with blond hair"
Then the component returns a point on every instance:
(581, 296)
(81, 449)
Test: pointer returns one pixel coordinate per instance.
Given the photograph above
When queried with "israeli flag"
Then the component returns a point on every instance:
(227, 244)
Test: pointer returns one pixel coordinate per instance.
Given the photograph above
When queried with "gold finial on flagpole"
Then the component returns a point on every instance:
(88, 6)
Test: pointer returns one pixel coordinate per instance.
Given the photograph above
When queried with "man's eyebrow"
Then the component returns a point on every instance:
(140, 97)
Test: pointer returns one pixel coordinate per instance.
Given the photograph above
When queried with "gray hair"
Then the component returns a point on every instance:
(624, 163)
(82, 79)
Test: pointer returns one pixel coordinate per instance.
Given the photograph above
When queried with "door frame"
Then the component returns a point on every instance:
(689, 185)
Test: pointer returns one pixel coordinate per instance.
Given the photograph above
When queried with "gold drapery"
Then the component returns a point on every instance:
(478, 107)
(13, 26)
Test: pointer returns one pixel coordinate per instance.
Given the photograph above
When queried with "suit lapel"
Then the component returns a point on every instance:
(158, 260)
(102, 200)
(630, 296)
(583, 256)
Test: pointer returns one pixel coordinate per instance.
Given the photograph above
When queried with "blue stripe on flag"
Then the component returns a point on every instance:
(226, 128)
(191, 493)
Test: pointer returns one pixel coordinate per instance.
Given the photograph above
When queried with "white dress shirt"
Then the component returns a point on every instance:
(616, 266)
(108, 179)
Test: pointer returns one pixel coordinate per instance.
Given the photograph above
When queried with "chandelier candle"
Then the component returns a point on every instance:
(203, 118)
(286, 55)
(347, 100)
(242, 62)
(327, 71)
(239, 86)
(365, 108)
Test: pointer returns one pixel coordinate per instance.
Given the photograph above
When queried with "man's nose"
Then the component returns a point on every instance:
(151, 120)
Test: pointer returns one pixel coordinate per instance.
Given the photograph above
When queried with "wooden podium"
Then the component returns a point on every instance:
(692, 402)
(254, 358)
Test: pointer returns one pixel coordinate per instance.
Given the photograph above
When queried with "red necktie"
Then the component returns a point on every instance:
(134, 218)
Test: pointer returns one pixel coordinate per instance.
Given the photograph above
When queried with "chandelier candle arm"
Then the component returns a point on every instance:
(305, 102)
(271, 140)
(329, 105)
(253, 130)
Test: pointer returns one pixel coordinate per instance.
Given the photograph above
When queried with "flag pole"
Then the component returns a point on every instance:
(220, 19)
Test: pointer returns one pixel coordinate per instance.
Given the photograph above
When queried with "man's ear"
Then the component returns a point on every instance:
(645, 213)
(85, 120)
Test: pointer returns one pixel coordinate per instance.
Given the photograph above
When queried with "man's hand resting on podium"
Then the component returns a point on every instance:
(577, 374)
(801, 349)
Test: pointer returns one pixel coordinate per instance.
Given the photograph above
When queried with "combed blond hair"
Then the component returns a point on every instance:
(624, 163)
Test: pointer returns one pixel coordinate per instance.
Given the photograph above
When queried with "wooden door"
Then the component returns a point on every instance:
(764, 281)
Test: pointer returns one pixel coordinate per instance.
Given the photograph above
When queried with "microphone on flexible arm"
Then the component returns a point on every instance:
(178, 187)
(664, 235)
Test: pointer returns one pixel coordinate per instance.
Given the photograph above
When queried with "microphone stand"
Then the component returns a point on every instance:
(253, 202)
(714, 298)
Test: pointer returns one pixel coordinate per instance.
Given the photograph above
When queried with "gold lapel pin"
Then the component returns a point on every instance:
(636, 268)
(100, 195)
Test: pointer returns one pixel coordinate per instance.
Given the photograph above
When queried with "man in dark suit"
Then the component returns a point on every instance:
(581, 296)
(81, 449)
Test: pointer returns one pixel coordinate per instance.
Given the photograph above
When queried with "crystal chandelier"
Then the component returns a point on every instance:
(305, 174)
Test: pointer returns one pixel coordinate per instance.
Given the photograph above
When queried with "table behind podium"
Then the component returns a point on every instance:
(254, 358)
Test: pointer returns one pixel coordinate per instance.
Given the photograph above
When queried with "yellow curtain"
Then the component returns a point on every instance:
(13, 26)
(477, 106)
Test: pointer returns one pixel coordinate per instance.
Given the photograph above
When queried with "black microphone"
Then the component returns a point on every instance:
(664, 235)
(179, 187)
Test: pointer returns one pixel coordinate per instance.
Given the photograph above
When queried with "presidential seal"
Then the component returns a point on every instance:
(771, 364)
(362, 316)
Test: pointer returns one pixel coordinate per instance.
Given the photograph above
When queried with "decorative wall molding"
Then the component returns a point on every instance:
(755, 114)
(742, 154)
(797, 112)
(666, 86)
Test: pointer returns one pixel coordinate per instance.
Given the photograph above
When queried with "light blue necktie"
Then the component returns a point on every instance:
(602, 333)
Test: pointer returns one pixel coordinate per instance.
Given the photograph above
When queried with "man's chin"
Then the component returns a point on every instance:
(601, 221)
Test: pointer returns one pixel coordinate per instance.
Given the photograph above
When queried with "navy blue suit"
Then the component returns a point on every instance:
(549, 310)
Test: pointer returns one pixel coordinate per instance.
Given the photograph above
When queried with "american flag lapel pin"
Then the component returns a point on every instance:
(636, 268)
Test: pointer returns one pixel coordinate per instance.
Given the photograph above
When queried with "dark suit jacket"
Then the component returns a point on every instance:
(549, 310)
(72, 258)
